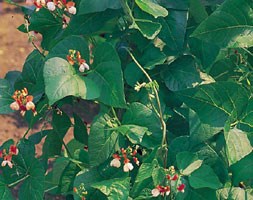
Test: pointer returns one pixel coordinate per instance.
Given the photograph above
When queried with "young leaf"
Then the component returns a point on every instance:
(229, 26)
(152, 8)
(188, 162)
(62, 80)
(237, 145)
(204, 177)
(114, 189)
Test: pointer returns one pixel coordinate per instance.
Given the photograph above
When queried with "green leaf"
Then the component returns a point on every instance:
(12, 77)
(152, 8)
(215, 102)
(247, 116)
(188, 162)
(67, 178)
(234, 193)
(131, 69)
(5, 193)
(133, 132)
(114, 189)
(197, 10)
(229, 26)
(181, 74)
(140, 115)
(177, 5)
(44, 22)
(62, 80)
(237, 145)
(80, 130)
(173, 31)
(242, 170)
(204, 177)
(90, 6)
(32, 75)
(5, 97)
(200, 132)
(107, 75)
(33, 186)
(102, 141)
(148, 29)
(61, 49)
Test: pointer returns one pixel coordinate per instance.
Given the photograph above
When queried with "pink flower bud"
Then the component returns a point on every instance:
(155, 192)
(115, 163)
(51, 6)
(30, 105)
(13, 150)
(181, 187)
(72, 10)
(128, 167)
(84, 66)
(14, 106)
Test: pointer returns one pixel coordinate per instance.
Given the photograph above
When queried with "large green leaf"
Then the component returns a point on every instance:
(215, 102)
(90, 6)
(44, 22)
(5, 193)
(33, 186)
(114, 189)
(80, 130)
(234, 193)
(102, 141)
(177, 5)
(173, 31)
(62, 80)
(61, 49)
(200, 132)
(231, 25)
(188, 162)
(5, 97)
(243, 169)
(152, 8)
(237, 145)
(139, 114)
(107, 75)
(181, 74)
(32, 75)
(204, 177)
(246, 119)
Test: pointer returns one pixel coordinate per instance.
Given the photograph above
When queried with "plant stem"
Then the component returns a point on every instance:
(115, 116)
(27, 131)
(18, 181)
(163, 125)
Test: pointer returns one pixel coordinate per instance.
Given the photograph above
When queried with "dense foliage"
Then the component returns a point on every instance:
(172, 83)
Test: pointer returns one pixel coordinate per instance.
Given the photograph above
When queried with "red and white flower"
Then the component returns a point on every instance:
(128, 167)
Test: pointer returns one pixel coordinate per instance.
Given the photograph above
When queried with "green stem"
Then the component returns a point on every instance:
(115, 116)
(163, 125)
(18, 181)
(27, 131)
(127, 10)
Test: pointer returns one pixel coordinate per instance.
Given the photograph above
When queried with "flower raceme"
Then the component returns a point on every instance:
(74, 57)
(7, 157)
(23, 102)
(127, 155)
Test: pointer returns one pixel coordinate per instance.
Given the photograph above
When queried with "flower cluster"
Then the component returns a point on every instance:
(7, 157)
(173, 183)
(54, 5)
(74, 57)
(128, 155)
(23, 102)
(80, 191)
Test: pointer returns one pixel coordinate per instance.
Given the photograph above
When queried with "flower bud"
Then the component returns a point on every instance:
(72, 10)
(51, 6)
(155, 192)
(84, 66)
(14, 106)
(128, 167)
(30, 105)
(115, 163)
